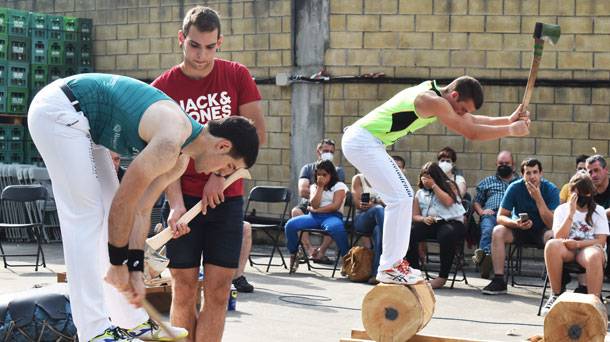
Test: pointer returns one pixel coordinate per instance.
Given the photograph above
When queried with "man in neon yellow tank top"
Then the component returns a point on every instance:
(413, 108)
(75, 122)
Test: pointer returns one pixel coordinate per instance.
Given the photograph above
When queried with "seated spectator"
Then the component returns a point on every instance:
(486, 204)
(369, 218)
(533, 196)
(581, 166)
(327, 196)
(446, 161)
(400, 161)
(116, 161)
(325, 151)
(437, 213)
(580, 228)
(598, 171)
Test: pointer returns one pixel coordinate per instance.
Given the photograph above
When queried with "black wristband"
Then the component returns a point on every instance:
(136, 260)
(118, 255)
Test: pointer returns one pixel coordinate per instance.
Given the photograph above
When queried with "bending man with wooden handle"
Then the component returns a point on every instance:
(164, 236)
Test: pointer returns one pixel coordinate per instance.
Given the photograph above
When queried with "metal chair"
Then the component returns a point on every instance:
(272, 227)
(514, 263)
(27, 216)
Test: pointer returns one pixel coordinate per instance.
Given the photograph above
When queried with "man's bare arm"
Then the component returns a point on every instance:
(491, 121)
(254, 111)
(304, 188)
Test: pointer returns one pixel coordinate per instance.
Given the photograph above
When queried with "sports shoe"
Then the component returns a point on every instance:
(486, 266)
(242, 284)
(150, 331)
(478, 256)
(114, 334)
(581, 289)
(401, 273)
(495, 287)
(549, 304)
(294, 263)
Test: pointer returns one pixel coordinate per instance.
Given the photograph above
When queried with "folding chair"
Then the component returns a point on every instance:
(514, 262)
(29, 214)
(272, 227)
(458, 262)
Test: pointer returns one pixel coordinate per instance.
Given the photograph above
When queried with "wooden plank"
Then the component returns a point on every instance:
(361, 336)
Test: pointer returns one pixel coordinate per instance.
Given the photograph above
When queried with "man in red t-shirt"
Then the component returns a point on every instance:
(207, 88)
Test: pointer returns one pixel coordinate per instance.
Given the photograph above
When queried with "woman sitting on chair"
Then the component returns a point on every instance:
(580, 229)
(437, 213)
(327, 197)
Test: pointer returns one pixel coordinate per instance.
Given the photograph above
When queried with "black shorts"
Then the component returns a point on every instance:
(214, 238)
(529, 237)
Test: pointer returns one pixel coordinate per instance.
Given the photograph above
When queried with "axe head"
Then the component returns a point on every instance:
(548, 32)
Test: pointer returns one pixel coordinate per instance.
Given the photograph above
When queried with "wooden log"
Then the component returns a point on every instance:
(395, 313)
(576, 317)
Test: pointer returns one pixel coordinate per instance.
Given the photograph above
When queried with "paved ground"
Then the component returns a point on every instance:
(311, 305)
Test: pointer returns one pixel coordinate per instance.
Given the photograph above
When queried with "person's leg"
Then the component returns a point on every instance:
(500, 237)
(368, 155)
(374, 218)
(320, 252)
(65, 150)
(419, 232)
(487, 224)
(592, 259)
(221, 250)
(239, 280)
(183, 309)
(333, 224)
(555, 255)
(216, 288)
(292, 228)
(447, 234)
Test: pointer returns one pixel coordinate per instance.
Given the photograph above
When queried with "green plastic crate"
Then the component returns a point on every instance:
(85, 29)
(18, 23)
(3, 95)
(39, 51)
(3, 47)
(55, 26)
(3, 73)
(18, 74)
(3, 20)
(55, 72)
(11, 146)
(71, 50)
(31, 154)
(11, 157)
(39, 74)
(17, 100)
(38, 25)
(55, 54)
(15, 132)
(85, 54)
(19, 49)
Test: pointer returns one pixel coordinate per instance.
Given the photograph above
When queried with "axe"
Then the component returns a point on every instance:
(159, 240)
(542, 32)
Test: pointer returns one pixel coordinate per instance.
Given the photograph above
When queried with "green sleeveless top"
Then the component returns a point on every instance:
(397, 117)
(114, 106)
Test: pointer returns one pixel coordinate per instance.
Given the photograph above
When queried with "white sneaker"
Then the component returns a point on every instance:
(401, 273)
(549, 304)
(150, 331)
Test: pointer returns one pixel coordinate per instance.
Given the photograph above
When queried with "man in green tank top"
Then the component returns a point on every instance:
(364, 145)
(75, 123)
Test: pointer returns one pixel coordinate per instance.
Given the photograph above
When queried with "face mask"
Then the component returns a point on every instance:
(504, 171)
(445, 166)
(582, 201)
(326, 156)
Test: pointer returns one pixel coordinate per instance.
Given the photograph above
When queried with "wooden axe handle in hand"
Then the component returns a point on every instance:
(166, 234)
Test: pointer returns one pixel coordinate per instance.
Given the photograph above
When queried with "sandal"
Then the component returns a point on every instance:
(323, 260)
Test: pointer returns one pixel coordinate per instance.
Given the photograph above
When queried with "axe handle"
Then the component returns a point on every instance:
(166, 234)
(531, 79)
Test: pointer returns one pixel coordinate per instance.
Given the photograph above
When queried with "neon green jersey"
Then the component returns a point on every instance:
(397, 117)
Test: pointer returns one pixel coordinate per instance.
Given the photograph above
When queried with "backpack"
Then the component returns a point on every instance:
(357, 264)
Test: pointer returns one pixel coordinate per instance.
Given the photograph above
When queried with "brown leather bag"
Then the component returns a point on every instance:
(357, 264)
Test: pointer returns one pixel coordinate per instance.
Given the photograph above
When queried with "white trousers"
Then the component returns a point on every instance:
(84, 183)
(369, 156)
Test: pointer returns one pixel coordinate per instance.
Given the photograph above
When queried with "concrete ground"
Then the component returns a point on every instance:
(313, 306)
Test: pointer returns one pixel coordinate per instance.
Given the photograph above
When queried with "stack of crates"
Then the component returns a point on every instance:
(35, 50)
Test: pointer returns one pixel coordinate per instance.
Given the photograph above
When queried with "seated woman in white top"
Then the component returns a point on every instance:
(437, 213)
(580, 228)
(326, 198)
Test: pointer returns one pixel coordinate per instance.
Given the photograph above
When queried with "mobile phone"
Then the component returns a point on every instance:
(524, 217)
(365, 197)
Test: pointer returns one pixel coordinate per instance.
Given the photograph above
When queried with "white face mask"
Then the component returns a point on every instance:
(445, 166)
(326, 156)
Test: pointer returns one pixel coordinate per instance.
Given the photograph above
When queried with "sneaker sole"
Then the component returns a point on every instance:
(487, 292)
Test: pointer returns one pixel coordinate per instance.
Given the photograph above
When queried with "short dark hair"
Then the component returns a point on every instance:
(597, 158)
(204, 18)
(400, 159)
(330, 168)
(469, 89)
(531, 162)
(242, 135)
(325, 141)
(447, 152)
(581, 159)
